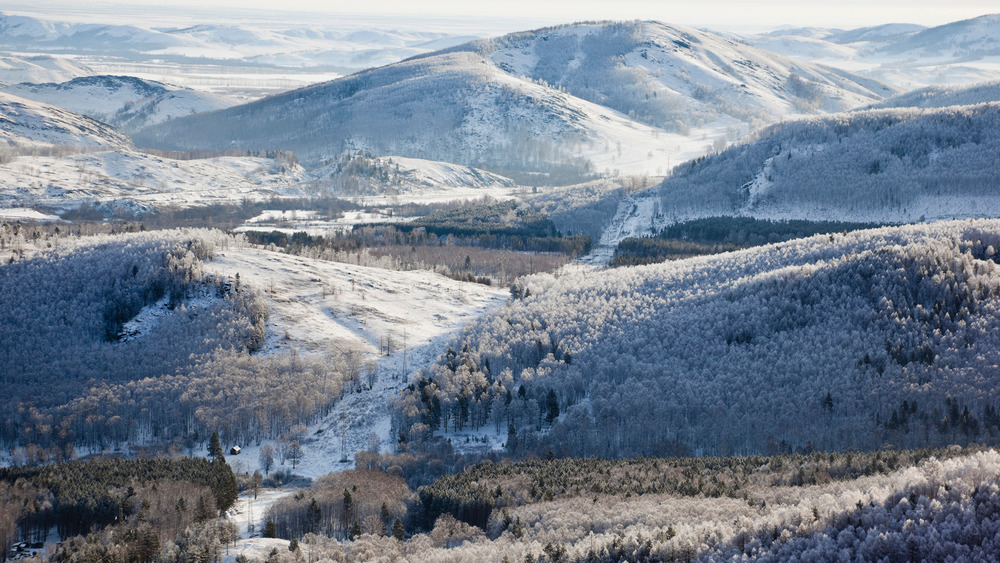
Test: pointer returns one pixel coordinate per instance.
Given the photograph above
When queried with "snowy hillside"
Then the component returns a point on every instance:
(39, 68)
(132, 181)
(123, 101)
(356, 173)
(832, 342)
(25, 123)
(491, 104)
(892, 165)
(318, 307)
(451, 107)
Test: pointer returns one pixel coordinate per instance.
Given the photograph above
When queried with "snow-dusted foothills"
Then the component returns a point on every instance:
(833, 342)
(133, 182)
(360, 173)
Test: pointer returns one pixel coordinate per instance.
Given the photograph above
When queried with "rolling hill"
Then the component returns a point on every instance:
(526, 103)
(27, 123)
(39, 68)
(356, 173)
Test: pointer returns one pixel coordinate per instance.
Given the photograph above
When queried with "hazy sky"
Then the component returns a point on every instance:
(727, 14)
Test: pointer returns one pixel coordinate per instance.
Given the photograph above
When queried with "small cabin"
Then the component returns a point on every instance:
(235, 450)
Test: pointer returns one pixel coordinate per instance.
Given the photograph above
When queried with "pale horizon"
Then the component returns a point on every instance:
(731, 15)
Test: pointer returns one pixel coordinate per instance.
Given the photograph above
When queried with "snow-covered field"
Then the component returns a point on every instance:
(24, 214)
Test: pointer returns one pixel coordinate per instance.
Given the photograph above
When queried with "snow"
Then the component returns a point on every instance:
(318, 306)
(25, 214)
(300, 221)
(637, 216)
(122, 100)
(25, 122)
(149, 316)
(16, 67)
(254, 549)
(248, 515)
(905, 55)
(223, 52)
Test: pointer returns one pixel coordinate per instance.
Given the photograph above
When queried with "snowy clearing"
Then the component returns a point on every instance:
(319, 306)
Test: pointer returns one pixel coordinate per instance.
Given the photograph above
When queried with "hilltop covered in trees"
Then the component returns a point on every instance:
(832, 342)
(887, 165)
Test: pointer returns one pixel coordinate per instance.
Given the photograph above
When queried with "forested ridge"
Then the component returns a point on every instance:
(832, 342)
(76, 373)
(713, 235)
(884, 505)
(149, 502)
(876, 165)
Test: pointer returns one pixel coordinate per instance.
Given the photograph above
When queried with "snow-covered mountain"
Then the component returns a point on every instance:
(673, 76)
(25, 122)
(452, 107)
(967, 39)
(126, 102)
(529, 103)
(889, 165)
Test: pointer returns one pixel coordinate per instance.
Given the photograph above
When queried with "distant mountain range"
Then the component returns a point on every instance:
(547, 101)
(345, 48)
(906, 55)
(944, 96)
